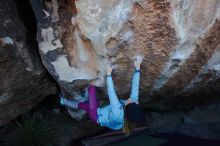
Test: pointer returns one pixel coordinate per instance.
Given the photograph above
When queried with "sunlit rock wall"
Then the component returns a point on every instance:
(180, 40)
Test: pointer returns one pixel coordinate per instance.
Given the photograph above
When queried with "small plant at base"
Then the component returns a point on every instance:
(31, 132)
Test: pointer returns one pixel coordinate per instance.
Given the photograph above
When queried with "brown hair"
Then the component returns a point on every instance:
(128, 127)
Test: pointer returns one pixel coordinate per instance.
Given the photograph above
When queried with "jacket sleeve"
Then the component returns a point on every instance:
(135, 86)
(115, 104)
(111, 93)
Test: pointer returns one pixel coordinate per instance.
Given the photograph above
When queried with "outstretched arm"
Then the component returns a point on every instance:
(136, 79)
(110, 87)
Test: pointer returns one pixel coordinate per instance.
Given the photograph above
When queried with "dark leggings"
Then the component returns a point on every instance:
(92, 105)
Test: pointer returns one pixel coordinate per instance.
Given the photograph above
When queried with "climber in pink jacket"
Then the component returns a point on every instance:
(125, 114)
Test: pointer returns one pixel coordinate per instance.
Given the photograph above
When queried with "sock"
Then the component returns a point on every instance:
(70, 103)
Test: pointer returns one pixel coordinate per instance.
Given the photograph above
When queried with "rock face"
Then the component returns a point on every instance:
(196, 123)
(180, 40)
(24, 81)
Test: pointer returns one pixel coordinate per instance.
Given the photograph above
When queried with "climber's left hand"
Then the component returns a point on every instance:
(137, 61)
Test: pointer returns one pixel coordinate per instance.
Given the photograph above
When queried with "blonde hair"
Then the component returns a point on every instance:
(128, 127)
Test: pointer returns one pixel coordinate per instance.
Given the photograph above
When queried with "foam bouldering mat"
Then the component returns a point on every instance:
(145, 138)
(140, 134)
(141, 140)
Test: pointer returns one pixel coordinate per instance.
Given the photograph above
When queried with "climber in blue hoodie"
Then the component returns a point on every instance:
(125, 114)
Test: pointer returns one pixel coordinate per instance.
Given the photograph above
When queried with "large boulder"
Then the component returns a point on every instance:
(180, 40)
(24, 81)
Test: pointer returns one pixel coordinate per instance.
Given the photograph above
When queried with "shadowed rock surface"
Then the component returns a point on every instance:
(24, 81)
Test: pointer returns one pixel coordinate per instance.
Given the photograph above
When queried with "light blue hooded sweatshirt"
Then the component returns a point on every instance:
(112, 116)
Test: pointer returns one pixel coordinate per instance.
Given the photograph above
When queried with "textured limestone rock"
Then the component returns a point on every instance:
(180, 40)
(24, 82)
